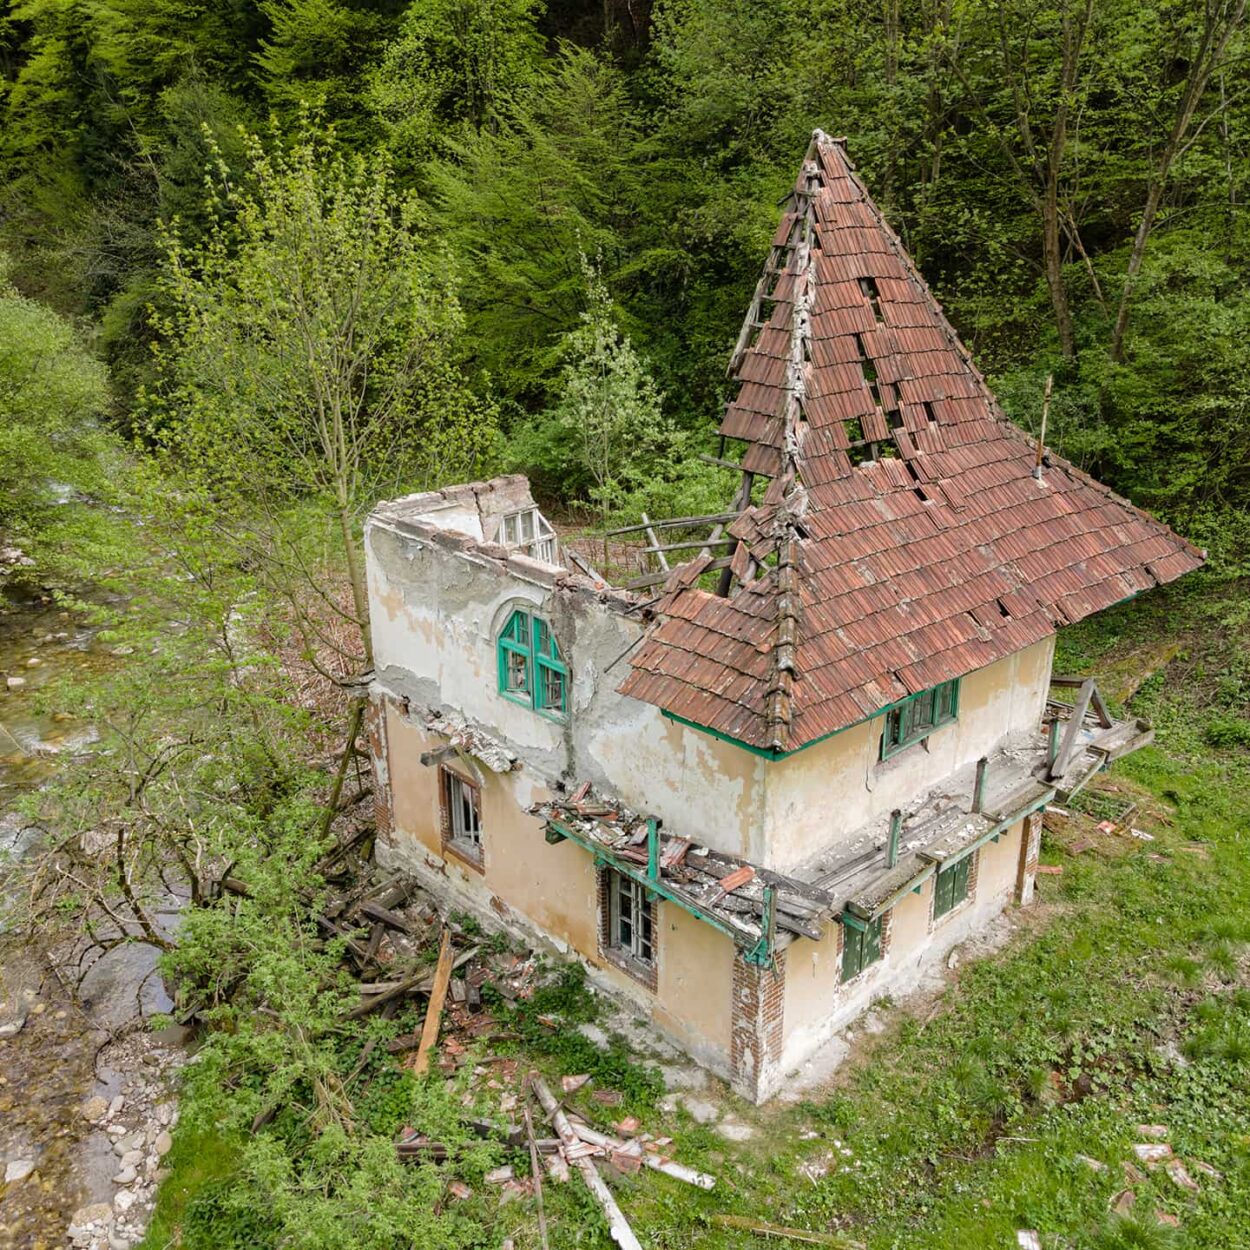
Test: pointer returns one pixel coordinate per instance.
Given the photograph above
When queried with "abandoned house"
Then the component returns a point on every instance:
(803, 748)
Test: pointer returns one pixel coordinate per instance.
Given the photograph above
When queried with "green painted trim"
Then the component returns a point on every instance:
(890, 749)
(535, 661)
(997, 831)
(605, 858)
(768, 753)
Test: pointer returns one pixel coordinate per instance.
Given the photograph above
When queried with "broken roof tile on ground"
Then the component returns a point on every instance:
(904, 539)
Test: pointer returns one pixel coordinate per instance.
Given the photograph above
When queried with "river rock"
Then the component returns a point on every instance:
(127, 1176)
(162, 1144)
(33, 662)
(85, 1218)
(132, 1158)
(94, 1109)
(18, 1170)
(119, 1241)
(14, 683)
(133, 1142)
(11, 1028)
(123, 1200)
(116, 1105)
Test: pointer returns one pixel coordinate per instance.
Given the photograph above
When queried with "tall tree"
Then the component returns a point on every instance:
(307, 365)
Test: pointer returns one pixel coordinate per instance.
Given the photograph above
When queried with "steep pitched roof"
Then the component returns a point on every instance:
(903, 539)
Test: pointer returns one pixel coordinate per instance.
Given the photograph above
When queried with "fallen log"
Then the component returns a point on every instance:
(618, 1225)
(384, 915)
(537, 1172)
(761, 1229)
(656, 1162)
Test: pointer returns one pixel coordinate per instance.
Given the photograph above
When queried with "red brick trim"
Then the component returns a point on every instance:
(1030, 850)
(645, 974)
(379, 759)
(757, 1024)
(468, 855)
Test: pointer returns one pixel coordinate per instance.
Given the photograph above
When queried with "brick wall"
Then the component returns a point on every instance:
(1030, 849)
(756, 1026)
(375, 732)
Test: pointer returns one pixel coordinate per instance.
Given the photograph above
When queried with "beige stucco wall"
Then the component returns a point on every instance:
(816, 1003)
(550, 892)
(842, 784)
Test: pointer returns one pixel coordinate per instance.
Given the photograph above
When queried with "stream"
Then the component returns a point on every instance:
(78, 1079)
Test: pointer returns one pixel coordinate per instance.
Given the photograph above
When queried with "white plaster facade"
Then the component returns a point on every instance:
(440, 592)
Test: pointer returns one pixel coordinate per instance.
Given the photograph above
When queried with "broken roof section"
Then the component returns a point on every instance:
(903, 539)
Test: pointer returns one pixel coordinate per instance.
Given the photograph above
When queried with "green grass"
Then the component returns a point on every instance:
(198, 1161)
(1124, 999)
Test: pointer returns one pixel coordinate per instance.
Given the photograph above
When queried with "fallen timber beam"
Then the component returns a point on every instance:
(420, 984)
(681, 522)
(654, 579)
(1071, 736)
(689, 544)
(434, 1011)
(656, 1162)
(618, 1225)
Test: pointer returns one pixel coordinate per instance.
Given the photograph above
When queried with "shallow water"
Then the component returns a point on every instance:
(49, 1068)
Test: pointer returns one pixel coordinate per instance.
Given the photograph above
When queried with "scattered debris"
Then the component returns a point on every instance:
(1028, 1239)
(1180, 1176)
(1122, 1204)
(571, 1084)
(618, 1226)
(1050, 870)
(1152, 1153)
(1165, 1217)
(1158, 1131)
(1094, 1165)
(1141, 835)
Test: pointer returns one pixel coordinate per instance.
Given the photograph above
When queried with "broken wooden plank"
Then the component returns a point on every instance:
(762, 1229)
(422, 983)
(383, 915)
(537, 1172)
(434, 1011)
(654, 579)
(1072, 735)
(681, 522)
(658, 1163)
(618, 1225)
(655, 547)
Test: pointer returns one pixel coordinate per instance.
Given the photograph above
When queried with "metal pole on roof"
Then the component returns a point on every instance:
(1041, 438)
(653, 849)
(896, 829)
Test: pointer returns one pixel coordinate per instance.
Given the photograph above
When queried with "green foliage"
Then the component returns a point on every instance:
(53, 449)
(456, 64)
(606, 432)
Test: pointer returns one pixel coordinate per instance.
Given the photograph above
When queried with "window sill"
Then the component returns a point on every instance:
(962, 905)
(466, 854)
(645, 974)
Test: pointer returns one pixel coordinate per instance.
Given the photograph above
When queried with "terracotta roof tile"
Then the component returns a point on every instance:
(911, 570)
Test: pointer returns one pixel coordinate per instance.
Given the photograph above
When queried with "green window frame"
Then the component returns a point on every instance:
(918, 716)
(532, 671)
(950, 886)
(861, 947)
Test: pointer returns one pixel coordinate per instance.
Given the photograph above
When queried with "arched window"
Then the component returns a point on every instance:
(531, 670)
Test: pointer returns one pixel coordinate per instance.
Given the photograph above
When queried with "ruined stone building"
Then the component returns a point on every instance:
(756, 789)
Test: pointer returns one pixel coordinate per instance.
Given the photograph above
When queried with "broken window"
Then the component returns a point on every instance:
(950, 886)
(917, 717)
(529, 531)
(462, 814)
(861, 946)
(531, 669)
(630, 923)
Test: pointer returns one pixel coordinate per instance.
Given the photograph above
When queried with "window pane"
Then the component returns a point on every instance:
(525, 526)
(517, 671)
(552, 693)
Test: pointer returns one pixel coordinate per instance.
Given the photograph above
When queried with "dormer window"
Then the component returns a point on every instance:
(916, 718)
(529, 532)
(531, 669)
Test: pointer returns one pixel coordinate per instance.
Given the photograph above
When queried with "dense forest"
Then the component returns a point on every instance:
(266, 262)
(1070, 177)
